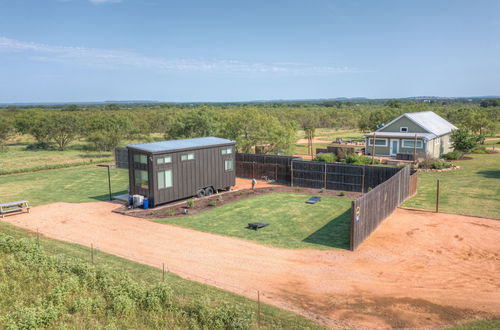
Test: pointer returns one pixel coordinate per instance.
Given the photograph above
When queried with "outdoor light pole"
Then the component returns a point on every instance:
(109, 179)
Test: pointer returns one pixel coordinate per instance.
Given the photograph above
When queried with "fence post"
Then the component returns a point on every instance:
(437, 196)
(258, 309)
(291, 173)
(363, 180)
(253, 170)
(276, 172)
(324, 184)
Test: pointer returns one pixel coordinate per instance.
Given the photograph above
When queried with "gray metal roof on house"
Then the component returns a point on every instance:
(402, 135)
(183, 144)
(429, 121)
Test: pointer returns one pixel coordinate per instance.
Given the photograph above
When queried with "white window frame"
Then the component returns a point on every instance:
(164, 185)
(403, 131)
(186, 157)
(226, 161)
(412, 141)
(164, 160)
(377, 145)
(227, 151)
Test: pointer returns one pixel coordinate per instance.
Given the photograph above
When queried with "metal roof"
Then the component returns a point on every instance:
(429, 121)
(183, 144)
(403, 135)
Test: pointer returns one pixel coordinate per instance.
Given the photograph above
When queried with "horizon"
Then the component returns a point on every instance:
(83, 51)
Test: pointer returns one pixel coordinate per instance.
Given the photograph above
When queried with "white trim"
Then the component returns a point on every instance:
(391, 152)
(421, 144)
(401, 129)
(377, 145)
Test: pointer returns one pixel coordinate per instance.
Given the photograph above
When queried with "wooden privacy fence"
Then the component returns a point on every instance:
(264, 166)
(369, 210)
(302, 173)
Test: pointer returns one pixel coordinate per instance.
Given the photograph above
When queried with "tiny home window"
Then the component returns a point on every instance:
(226, 151)
(141, 159)
(164, 160)
(189, 156)
(228, 165)
(165, 179)
(411, 144)
(141, 178)
(403, 129)
(378, 142)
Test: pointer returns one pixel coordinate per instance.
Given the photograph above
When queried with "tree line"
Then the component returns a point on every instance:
(273, 124)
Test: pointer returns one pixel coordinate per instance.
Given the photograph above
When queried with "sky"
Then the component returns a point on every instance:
(194, 51)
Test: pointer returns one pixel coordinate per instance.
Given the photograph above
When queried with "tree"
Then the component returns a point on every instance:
(63, 128)
(106, 130)
(35, 123)
(463, 140)
(197, 123)
(6, 130)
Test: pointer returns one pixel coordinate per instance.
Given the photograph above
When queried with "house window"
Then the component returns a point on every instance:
(164, 160)
(411, 144)
(141, 159)
(165, 179)
(228, 165)
(378, 142)
(141, 178)
(189, 156)
(403, 129)
(227, 151)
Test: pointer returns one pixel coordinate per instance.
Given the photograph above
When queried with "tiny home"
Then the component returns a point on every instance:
(424, 133)
(171, 170)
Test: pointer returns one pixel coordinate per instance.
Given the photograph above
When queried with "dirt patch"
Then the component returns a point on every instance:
(203, 204)
(418, 269)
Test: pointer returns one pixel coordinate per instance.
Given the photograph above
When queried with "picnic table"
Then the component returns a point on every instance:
(11, 207)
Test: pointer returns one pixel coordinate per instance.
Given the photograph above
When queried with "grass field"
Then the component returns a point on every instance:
(16, 158)
(293, 223)
(474, 189)
(55, 285)
(75, 184)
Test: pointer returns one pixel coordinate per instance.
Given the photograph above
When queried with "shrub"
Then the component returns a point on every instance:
(342, 193)
(359, 159)
(434, 163)
(328, 158)
(212, 203)
(170, 212)
(481, 150)
(453, 155)
(190, 203)
(322, 190)
(463, 140)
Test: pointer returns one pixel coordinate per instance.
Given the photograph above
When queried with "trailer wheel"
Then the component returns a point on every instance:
(200, 193)
(209, 191)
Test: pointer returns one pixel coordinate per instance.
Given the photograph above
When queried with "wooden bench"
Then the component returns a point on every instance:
(12, 207)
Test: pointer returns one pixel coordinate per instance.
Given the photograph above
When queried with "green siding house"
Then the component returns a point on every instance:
(430, 132)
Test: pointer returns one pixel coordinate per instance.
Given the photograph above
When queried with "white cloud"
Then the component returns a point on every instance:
(117, 59)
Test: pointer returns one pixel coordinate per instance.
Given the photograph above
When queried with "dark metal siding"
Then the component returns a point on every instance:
(206, 170)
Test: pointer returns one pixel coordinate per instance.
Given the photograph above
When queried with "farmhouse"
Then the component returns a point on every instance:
(171, 170)
(430, 132)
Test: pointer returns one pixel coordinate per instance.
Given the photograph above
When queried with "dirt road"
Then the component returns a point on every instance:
(419, 269)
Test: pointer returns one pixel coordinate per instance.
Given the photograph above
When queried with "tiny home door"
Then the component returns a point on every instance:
(394, 149)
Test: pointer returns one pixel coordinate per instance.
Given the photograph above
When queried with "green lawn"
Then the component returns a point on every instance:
(16, 158)
(474, 189)
(75, 184)
(183, 290)
(293, 223)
